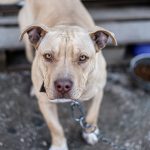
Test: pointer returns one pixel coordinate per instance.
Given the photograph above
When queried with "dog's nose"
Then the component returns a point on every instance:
(63, 85)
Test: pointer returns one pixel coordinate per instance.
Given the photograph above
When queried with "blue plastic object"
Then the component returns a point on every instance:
(141, 53)
(141, 49)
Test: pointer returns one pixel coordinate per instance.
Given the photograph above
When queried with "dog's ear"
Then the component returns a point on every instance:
(35, 34)
(100, 38)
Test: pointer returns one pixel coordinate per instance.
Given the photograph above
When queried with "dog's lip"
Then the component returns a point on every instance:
(61, 100)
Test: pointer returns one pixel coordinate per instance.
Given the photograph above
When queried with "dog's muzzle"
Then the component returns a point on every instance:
(60, 87)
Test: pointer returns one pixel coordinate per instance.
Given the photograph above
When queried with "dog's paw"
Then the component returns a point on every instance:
(63, 147)
(91, 138)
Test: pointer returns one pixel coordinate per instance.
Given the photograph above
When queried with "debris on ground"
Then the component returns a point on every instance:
(124, 115)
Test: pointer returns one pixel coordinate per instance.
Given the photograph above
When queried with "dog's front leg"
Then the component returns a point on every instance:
(92, 117)
(49, 112)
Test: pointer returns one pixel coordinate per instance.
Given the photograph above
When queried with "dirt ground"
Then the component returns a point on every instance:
(124, 115)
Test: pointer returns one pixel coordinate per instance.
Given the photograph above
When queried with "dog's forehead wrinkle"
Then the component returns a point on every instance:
(68, 31)
(69, 28)
(72, 41)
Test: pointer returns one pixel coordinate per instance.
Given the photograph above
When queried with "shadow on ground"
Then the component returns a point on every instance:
(124, 116)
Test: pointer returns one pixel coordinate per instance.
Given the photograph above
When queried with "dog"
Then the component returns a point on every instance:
(68, 61)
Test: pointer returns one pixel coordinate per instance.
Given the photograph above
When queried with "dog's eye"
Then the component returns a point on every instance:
(83, 58)
(48, 57)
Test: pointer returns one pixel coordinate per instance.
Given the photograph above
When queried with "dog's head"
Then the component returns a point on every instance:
(66, 57)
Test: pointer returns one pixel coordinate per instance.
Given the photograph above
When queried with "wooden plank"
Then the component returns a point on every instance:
(103, 14)
(9, 38)
(8, 1)
(116, 2)
(114, 55)
(8, 20)
(7, 6)
(129, 32)
(126, 33)
(119, 13)
(9, 9)
(2, 60)
(10, 6)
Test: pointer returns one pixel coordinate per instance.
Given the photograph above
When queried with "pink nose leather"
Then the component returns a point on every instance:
(63, 85)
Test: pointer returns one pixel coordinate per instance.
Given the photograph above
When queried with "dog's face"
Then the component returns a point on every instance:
(66, 57)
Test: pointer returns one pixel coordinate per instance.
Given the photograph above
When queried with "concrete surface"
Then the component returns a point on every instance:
(124, 115)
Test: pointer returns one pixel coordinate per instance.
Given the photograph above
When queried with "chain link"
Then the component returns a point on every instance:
(79, 116)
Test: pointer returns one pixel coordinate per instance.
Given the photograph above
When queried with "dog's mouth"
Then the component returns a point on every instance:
(61, 100)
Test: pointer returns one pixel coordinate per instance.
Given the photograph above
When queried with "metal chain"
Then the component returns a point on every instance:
(79, 116)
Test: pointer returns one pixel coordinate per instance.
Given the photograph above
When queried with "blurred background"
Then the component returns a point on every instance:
(125, 111)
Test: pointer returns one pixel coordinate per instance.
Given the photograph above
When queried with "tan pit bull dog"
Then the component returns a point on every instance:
(68, 61)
